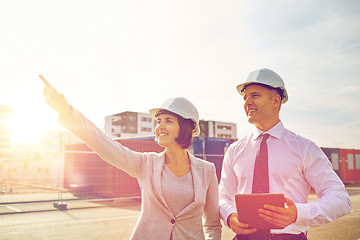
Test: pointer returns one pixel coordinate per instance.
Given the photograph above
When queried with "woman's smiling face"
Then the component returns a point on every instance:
(166, 130)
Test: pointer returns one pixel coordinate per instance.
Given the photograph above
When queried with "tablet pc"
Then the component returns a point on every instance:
(247, 206)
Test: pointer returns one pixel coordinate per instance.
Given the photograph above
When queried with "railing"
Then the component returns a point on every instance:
(36, 178)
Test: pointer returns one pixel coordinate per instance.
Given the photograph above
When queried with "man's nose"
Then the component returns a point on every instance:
(247, 102)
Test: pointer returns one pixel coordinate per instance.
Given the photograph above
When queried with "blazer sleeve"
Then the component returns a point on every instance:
(108, 149)
(211, 216)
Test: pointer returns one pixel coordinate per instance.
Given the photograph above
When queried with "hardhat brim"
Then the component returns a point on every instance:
(196, 130)
(241, 87)
(267, 77)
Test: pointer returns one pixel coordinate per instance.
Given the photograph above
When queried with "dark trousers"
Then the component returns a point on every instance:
(262, 236)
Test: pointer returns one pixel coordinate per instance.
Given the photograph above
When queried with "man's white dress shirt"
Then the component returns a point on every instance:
(296, 165)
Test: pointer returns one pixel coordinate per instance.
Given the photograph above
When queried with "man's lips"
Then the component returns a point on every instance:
(251, 111)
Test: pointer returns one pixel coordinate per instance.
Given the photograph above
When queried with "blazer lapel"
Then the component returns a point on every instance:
(158, 167)
(196, 172)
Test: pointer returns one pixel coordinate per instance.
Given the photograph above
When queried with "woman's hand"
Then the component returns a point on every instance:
(55, 100)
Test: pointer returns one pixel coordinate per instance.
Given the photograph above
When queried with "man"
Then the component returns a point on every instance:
(295, 165)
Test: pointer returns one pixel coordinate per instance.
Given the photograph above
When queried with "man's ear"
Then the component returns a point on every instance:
(277, 100)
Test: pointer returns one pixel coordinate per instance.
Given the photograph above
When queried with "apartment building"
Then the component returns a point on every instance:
(218, 129)
(135, 124)
(129, 124)
(40, 163)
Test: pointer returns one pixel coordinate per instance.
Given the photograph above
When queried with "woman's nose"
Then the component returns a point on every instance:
(159, 126)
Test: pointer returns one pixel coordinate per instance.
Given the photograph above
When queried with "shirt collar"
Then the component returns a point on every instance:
(275, 131)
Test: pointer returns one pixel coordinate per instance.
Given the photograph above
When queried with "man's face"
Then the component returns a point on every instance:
(261, 106)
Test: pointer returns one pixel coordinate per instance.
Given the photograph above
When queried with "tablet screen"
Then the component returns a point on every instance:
(248, 204)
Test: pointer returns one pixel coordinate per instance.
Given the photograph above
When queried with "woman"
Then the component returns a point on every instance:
(179, 191)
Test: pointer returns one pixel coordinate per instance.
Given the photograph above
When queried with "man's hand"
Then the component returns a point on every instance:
(55, 100)
(239, 227)
(280, 216)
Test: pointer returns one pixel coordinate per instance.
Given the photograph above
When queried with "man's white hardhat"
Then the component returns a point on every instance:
(182, 107)
(266, 77)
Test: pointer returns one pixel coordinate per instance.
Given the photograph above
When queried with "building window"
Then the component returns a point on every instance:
(223, 127)
(130, 129)
(145, 129)
(145, 119)
(221, 135)
(132, 118)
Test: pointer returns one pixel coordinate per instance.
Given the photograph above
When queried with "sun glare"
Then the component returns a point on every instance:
(28, 124)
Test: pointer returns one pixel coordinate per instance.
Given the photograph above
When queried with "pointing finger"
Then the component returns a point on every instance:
(46, 82)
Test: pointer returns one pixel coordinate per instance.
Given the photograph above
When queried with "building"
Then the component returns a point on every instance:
(135, 124)
(49, 169)
(218, 129)
(129, 124)
(40, 163)
(6, 115)
(54, 141)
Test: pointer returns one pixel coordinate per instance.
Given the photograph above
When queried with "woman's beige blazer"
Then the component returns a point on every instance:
(199, 220)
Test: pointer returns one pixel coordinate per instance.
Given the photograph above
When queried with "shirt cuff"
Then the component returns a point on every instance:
(303, 213)
(225, 213)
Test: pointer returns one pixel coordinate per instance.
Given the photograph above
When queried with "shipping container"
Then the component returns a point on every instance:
(347, 167)
(345, 162)
(333, 156)
(86, 173)
(357, 164)
(212, 150)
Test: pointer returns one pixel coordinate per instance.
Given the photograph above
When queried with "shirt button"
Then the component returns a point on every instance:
(172, 221)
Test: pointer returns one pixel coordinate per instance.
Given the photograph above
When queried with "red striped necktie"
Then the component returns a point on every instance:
(261, 174)
(261, 181)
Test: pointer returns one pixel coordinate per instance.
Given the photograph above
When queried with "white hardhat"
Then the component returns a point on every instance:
(182, 107)
(266, 77)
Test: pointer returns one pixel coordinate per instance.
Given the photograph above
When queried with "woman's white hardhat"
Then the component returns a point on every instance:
(182, 107)
(267, 77)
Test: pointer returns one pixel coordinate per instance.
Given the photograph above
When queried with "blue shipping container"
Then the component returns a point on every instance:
(212, 150)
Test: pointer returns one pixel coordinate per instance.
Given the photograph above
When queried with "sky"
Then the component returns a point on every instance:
(108, 57)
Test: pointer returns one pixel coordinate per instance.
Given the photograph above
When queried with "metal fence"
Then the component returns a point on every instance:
(43, 180)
